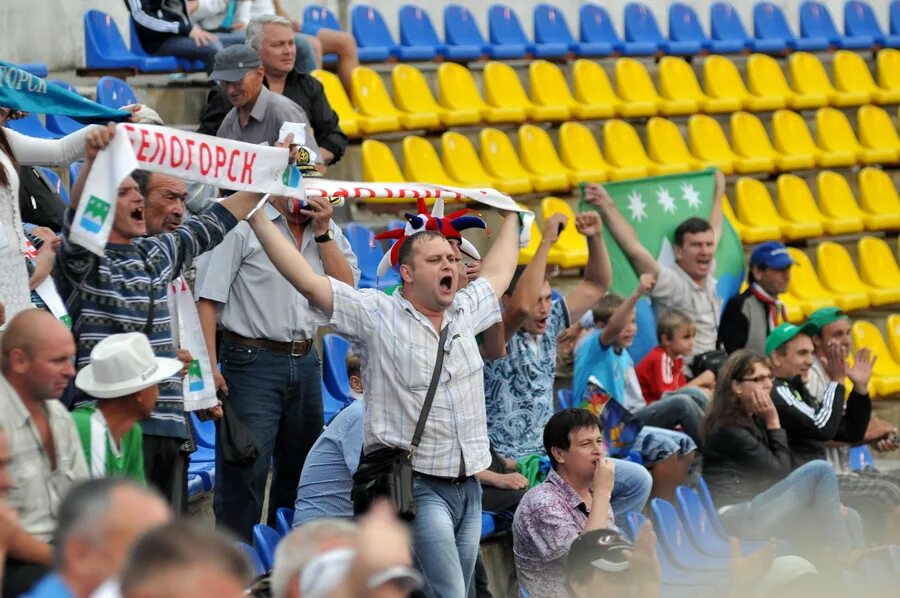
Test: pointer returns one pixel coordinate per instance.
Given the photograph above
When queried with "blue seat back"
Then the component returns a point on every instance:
(770, 23)
(645, 339)
(460, 28)
(115, 93)
(633, 523)
(487, 524)
(368, 253)
(640, 24)
(698, 522)
(317, 17)
(504, 27)
(101, 37)
(416, 28)
(255, 562)
(684, 25)
(859, 19)
(284, 520)
(550, 26)
(895, 17)
(725, 22)
(265, 539)
(31, 126)
(57, 185)
(564, 397)
(594, 25)
(57, 123)
(671, 533)
(204, 431)
(816, 21)
(861, 458)
(369, 27)
(334, 366)
(706, 500)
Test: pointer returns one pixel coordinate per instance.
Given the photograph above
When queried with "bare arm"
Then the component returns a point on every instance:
(493, 342)
(499, 265)
(26, 547)
(623, 314)
(597, 273)
(621, 231)
(333, 260)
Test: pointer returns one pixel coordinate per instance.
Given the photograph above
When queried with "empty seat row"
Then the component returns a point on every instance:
(886, 370)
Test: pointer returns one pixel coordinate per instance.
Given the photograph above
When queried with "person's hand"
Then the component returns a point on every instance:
(511, 481)
(238, 26)
(192, 6)
(565, 342)
(645, 562)
(861, 371)
(43, 233)
(319, 210)
(762, 405)
(881, 435)
(212, 413)
(604, 476)
(97, 139)
(746, 571)
(186, 359)
(706, 380)
(836, 362)
(473, 269)
(553, 226)
(9, 526)
(219, 380)
(589, 224)
(596, 195)
(645, 284)
(201, 37)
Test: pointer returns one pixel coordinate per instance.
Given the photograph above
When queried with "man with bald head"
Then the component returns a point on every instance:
(36, 360)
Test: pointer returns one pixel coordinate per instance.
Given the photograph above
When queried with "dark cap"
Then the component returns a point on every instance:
(603, 549)
(824, 316)
(771, 254)
(234, 62)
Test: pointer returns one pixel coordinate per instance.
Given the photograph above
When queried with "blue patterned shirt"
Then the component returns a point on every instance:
(519, 388)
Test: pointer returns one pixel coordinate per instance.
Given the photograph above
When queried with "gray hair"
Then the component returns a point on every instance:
(255, 28)
(298, 548)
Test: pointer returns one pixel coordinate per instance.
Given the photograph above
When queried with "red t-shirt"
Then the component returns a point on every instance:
(658, 373)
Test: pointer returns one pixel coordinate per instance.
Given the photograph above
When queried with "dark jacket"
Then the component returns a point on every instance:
(745, 324)
(740, 462)
(157, 20)
(812, 421)
(307, 93)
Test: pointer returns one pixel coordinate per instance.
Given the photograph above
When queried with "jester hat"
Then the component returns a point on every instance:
(449, 226)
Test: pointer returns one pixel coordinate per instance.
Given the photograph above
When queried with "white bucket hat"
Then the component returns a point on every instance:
(122, 364)
(324, 573)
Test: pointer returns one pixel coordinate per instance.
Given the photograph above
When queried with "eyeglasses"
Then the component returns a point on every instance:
(759, 379)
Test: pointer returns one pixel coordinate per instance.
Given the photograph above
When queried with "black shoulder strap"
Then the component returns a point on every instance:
(432, 389)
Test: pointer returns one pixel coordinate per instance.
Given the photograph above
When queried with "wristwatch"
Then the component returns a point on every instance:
(325, 237)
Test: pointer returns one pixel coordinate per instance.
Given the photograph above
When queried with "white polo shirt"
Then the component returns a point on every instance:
(676, 290)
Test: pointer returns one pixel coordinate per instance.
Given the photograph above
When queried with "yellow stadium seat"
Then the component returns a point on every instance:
(457, 91)
(837, 202)
(794, 308)
(877, 265)
(421, 163)
(809, 77)
(462, 164)
(378, 163)
(570, 249)
(580, 153)
(750, 234)
(834, 134)
(754, 206)
(666, 145)
(877, 132)
(539, 157)
(878, 196)
(708, 143)
(889, 69)
(349, 118)
(633, 84)
(372, 99)
(534, 240)
(412, 94)
(622, 147)
(805, 284)
(837, 273)
(501, 161)
(677, 81)
(750, 140)
(893, 334)
(851, 74)
(721, 79)
(765, 78)
(503, 88)
(592, 86)
(549, 88)
(885, 371)
(792, 138)
(796, 203)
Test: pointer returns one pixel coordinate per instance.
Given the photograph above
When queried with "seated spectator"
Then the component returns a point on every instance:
(572, 501)
(662, 369)
(749, 317)
(688, 285)
(183, 559)
(36, 354)
(165, 29)
(301, 545)
(99, 521)
(123, 376)
(604, 563)
(272, 38)
(327, 476)
(747, 464)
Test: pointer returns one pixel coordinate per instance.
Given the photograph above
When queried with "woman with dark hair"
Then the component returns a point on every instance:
(747, 464)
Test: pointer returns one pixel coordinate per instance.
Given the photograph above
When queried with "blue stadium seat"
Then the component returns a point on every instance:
(74, 168)
(284, 520)
(196, 486)
(551, 27)
(371, 31)
(861, 458)
(726, 26)
(895, 17)
(645, 339)
(417, 33)
(334, 367)
(203, 454)
(368, 254)
(461, 30)
(684, 26)
(104, 48)
(206, 470)
(62, 125)
(770, 23)
(256, 563)
(505, 31)
(32, 126)
(35, 68)
(487, 524)
(115, 93)
(57, 185)
(564, 398)
(204, 431)
(710, 507)
(859, 20)
(265, 539)
(675, 543)
(641, 26)
(315, 17)
(330, 405)
(137, 48)
(816, 21)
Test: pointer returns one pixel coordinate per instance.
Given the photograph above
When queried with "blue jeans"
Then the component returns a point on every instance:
(279, 398)
(305, 61)
(184, 47)
(446, 534)
(630, 490)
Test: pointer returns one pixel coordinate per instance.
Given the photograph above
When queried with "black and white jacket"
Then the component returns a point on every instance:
(158, 20)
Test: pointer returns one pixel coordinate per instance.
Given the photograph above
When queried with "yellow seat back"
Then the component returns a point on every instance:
(866, 334)
(707, 139)
(578, 148)
(748, 136)
(721, 78)
(502, 87)
(835, 196)
(677, 80)
(795, 200)
(889, 68)
(498, 155)
(592, 84)
(369, 93)
(804, 283)
(622, 146)
(791, 134)
(379, 164)
(877, 193)
(833, 131)
(457, 88)
(461, 160)
(876, 129)
(877, 264)
(537, 151)
(570, 249)
(633, 83)
(808, 75)
(548, 85)
(765, 77)
(665, 143)
(340, 103)
(421, 163)
(851, 72)
(893, 328)
(411, 91)
(754, 204)
(836, 268)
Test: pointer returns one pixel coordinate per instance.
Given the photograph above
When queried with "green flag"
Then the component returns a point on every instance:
(654, 207)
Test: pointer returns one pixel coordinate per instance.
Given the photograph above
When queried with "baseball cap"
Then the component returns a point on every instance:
(824, 316)
(771, 254)
(603, 549)
(785, 332)
(234, 62)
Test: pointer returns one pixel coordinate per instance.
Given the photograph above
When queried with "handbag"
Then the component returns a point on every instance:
(710, 360)
(387, 472)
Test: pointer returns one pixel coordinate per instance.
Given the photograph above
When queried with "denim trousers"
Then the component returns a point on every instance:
(446, 534)
(631, 489)
(184, 47)
(279, 398)
(671, 411)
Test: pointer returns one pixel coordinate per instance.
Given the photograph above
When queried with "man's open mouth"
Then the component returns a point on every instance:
(446, 283)
(137, 214)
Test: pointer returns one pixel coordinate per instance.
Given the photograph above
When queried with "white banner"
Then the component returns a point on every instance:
(199, 386)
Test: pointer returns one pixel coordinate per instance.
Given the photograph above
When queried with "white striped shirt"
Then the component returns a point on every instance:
(397, 346)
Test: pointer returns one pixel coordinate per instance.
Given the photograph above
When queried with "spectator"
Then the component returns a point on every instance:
(257, 114)
(662, 369)
(126, 290)
(688, 285)
(397, 338)
(40, 257)
(184, 560)
(123, 375)
(602, 562)
(303, 544)
(747, 464)
(99, 521)
(273, 39)
(572, 501)
(36, 354)
(164, 28)
(749, 317)
(9, 522)
(327, 477)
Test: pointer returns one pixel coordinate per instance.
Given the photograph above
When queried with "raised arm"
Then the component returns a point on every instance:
(623, 314)
(500, 263)
(621, 231)
(715, 215)
(597, 273)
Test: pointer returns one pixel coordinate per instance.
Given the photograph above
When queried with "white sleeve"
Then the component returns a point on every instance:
(31, 151)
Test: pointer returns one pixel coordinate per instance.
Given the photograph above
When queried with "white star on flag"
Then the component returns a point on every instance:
(690, 195)
(665, 200)
(637, 206)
